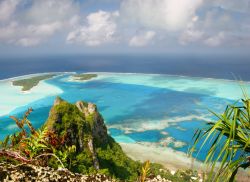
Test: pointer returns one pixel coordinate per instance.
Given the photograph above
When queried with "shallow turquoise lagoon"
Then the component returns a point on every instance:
(159, 110)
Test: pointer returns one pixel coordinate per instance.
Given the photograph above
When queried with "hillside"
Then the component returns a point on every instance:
(74, 139)
(82, 126)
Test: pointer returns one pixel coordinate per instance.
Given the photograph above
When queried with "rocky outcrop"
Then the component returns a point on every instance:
(58, 101)
(99, 130)
(25, 172)
(94, 156)
(81, 123)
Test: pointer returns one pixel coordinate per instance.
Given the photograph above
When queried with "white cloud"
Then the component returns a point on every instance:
(142, 39)
(100, 28)
(29, 35)
(242, 6)
(7, 8)
(197, 22)
(37, 22)
(217, 23)
(74, 21)
(217, 27)
(35, 34)
(191, 35)
(160, 14)
(216, 40)
(27, 42)
(44, 11)
(44, 29)
(8, 31)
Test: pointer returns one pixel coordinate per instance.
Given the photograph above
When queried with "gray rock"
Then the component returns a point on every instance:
(31, 173)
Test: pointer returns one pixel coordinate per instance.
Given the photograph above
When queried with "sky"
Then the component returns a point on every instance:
(116, 26)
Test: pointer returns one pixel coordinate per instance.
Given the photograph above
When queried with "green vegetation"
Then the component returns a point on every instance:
(78, 129)
(75, 137)
(188, 175)
(145, 171)
(83, 77)
(229, 140)
(29, 83)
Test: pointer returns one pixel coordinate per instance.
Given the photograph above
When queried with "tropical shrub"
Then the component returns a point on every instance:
(28, 145)
(229, 142)
(145, 171)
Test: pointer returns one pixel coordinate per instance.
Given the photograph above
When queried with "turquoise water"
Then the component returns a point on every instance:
(137, 107)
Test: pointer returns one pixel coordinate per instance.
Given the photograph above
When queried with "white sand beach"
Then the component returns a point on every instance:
(169, 158)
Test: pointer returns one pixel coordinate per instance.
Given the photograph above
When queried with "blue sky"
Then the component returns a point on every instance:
(115, 26)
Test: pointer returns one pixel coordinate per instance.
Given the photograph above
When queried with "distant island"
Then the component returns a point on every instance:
(83, 77)
(29, 83)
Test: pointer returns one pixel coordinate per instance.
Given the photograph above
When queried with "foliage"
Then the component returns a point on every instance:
(116, 162)
(77, 129)
(229, 139)
(83, 77)
(35, 144)
(30, 146)
(71, 118)
(15, 139)
(59, 141)
(179, 176)
(63, 142)
(145, 170)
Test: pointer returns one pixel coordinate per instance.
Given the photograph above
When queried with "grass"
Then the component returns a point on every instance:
(29, 83)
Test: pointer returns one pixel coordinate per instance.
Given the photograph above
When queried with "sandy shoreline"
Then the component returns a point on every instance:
(12, 97)
(169, 158)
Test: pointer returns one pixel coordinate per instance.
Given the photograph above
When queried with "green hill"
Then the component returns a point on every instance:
(82, 126)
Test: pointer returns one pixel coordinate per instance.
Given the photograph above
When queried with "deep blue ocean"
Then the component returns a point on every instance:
(209, 66)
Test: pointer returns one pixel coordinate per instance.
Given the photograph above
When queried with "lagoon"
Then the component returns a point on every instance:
(145, 110)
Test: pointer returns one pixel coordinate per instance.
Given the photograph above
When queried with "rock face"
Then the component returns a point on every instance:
(81, 123)
(99, 130)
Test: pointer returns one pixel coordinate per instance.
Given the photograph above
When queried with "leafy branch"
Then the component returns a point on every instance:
(230, 142)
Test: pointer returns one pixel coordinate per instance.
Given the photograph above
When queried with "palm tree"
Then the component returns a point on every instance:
(228, 140)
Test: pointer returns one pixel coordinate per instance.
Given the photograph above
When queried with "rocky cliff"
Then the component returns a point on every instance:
(81, 125)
